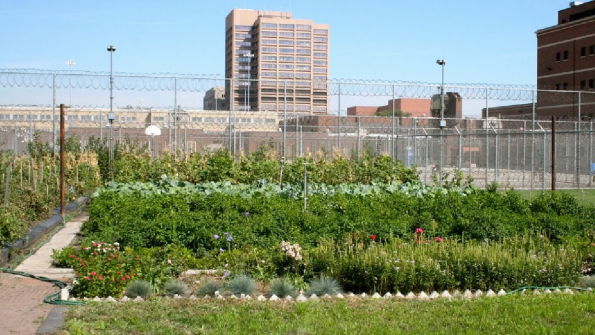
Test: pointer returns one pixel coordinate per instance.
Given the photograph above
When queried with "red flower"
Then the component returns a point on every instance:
(418, 242)
(373, 237)
(123, 278)
(87, 278)
(71, 256)
(419, 231)
(127, 276)
(438, 239)
(84, 248)
(100, 277)
(94, 244)
(92, 274)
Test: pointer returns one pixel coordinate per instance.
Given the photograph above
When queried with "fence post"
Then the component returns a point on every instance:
(392, 138)
(487, 151)
(284, 119)
(460, 148)
(553, 158)
(524, 150)
(176, 116)
(496, 165)
(62, 165)
(358, 137)
(591, 153)
(54, 115)
(339, 121)
(532, 139)
(231, 104)
(577, 141)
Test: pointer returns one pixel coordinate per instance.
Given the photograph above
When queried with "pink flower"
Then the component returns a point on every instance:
(438, 239)
(92, 274)
(169, 261)
(100, 277)
(373, 237)
(419, 231)
(87, 278)
(127, 276)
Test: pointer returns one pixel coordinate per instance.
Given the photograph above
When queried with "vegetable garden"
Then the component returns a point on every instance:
(371, 225)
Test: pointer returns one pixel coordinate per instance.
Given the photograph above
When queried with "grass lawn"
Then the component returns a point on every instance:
(518, 314)
(584, 196)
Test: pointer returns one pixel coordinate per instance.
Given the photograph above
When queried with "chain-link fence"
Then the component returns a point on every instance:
(508, 145)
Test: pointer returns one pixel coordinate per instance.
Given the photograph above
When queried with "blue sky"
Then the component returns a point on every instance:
(482, 41)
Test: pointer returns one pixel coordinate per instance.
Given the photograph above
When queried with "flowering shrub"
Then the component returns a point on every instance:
(104, 269)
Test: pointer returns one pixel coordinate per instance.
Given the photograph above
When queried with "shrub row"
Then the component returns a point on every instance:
(133, 166)
(192, 220)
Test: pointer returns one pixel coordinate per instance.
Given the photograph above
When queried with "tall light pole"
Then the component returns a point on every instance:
(249, 56)
(111, 50)
(70, 63)
(442, 62)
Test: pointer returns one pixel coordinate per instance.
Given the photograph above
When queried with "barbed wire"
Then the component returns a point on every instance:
(337, 87)
(39, 78)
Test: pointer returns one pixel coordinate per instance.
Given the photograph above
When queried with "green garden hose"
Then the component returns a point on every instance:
(53, 298)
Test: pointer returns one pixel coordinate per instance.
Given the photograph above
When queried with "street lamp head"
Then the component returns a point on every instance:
(441, 62)
(111, 48)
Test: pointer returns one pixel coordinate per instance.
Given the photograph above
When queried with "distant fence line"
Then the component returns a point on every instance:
(514, 151)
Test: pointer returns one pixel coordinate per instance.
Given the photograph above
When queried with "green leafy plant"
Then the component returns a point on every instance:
(241, 284)
(174, 287)
(324, 285)
(138, 288)
(282, 288)
(209, 287)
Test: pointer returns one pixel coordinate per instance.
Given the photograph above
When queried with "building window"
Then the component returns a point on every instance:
(320, 62)
(269, 25)
(268, 66)
(304, 27)
(285, 34)
(320, 39)
(285, 75)
(243, 36)
(565, 86)
(245, 28)
(303, 43)
(583, 51)
(243, 44)
(320, 69)
(319, 77)
(285, 42)
(269, 50)
(302, 67)
(286, 26)
(302, 75)
(286, 66)
(286, 50)
(285, 59)
(320, 54)
(583, 84)
(320, 46)
(269, 33)
(274, 58)
(591, 50)
(303, 35)
(321, 31)
(557, 87)
(565, 54)
(303, 51)
(303, 59)
(591, 83)
(558, 56)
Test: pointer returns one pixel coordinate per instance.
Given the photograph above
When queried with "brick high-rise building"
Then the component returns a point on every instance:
(566, 61)
(281, 55)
